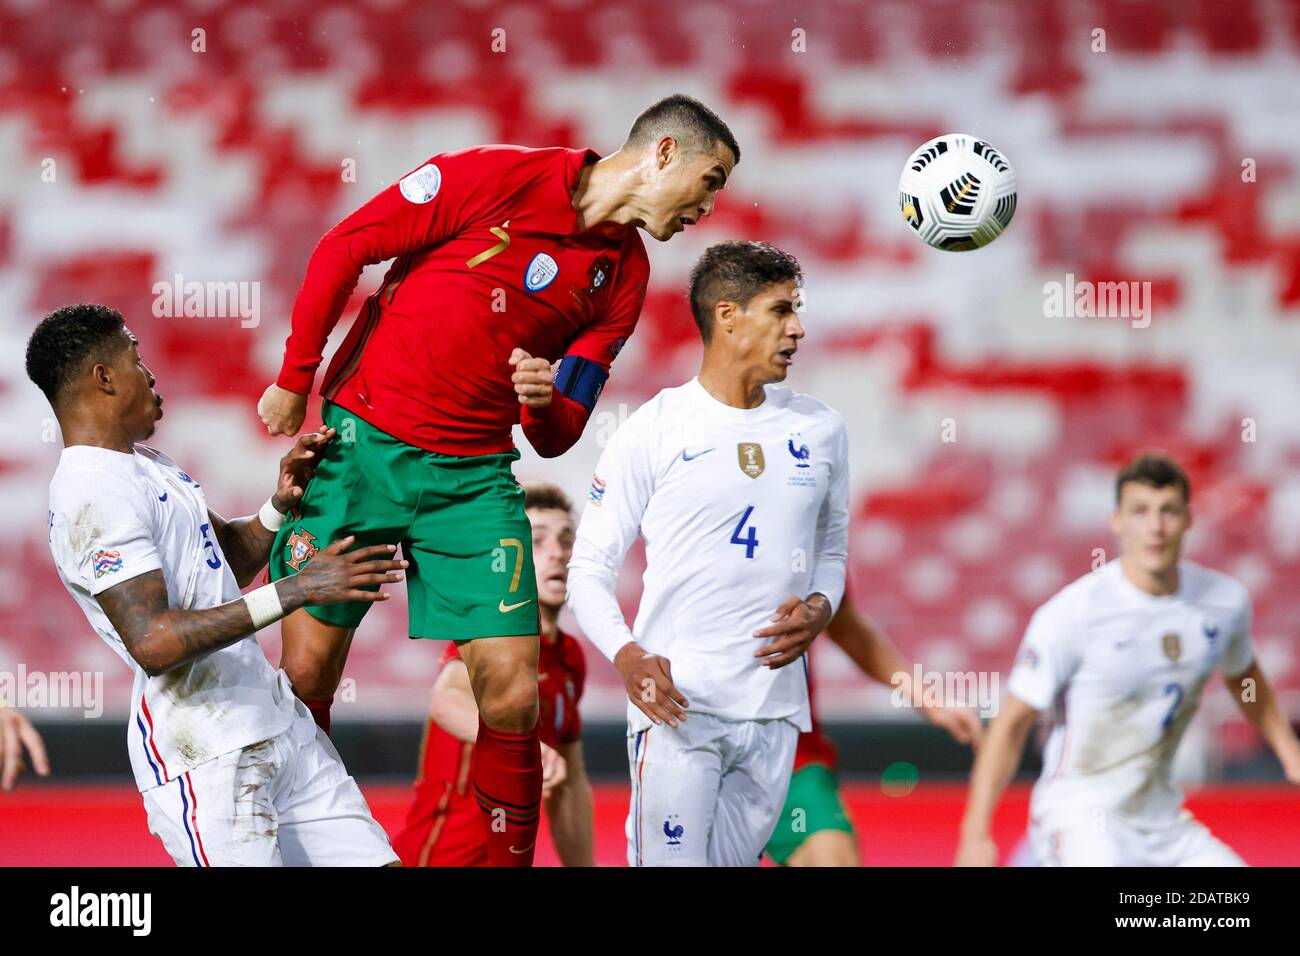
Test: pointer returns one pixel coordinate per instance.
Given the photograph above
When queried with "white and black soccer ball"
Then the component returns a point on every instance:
(957, 192)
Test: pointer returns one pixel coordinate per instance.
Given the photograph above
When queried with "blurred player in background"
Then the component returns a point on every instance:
(740, 489)
(444, 826)
(232, 769)
(814, 828)
(505, 257)
(1120, 657)
(16, 732)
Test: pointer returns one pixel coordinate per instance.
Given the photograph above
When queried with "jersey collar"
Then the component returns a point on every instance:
(561, 218)
(94, 456)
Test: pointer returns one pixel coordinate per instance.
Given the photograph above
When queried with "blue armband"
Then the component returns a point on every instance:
(581, 379)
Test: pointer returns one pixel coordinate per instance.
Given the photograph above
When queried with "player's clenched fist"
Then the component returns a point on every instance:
(281, 410)
(648, 679)
(533, 379)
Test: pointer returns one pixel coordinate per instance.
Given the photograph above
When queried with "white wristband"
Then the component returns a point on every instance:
(270, 518)
(264, 606)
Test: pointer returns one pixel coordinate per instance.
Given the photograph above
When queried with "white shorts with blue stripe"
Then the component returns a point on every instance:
(287, 801)
(707, 792)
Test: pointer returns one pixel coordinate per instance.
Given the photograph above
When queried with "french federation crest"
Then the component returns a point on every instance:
(1173, 645)
(799, 451)
(750, 454)
(300, 548)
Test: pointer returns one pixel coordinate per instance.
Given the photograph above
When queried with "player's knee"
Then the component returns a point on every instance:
(313, 676)
(510, 705)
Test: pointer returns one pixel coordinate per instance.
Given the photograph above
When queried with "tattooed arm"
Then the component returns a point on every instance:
(246, 542)
(160, 637)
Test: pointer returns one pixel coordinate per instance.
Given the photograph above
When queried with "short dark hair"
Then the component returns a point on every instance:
(68, 337)
(1155, 469)
(688, 120)
(546, 495)
(736, 272)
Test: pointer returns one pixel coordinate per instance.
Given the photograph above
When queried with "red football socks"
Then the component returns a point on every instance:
(320, 712)
(508, 786)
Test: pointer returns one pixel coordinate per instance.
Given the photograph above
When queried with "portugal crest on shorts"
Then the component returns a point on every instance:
(750, 454)
(300, 548)
(1173, 645)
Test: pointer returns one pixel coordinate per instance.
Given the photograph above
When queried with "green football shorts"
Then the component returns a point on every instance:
(812, 804)
(459, 520)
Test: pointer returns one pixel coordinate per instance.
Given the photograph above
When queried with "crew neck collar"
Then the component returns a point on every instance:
(96, 454)
(562, 219)
(1128, 584)
(731, 412)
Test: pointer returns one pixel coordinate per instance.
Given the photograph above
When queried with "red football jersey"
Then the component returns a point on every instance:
(444, 826)
(487, 260)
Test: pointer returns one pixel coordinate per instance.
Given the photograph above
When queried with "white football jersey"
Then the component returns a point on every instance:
(114, 516)
(739, 509)
(1121, 672)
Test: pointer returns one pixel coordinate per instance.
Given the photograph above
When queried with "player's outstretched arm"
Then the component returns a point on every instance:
(161, 637)
(569, 809)
(452, 706)
(866, 644)
(16, 732)
(246, 542)
(870, 648)
(1254, 696)
(995, 764)
(621, 490)
(425, 207)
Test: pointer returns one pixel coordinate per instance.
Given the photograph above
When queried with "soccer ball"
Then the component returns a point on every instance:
(957, 192)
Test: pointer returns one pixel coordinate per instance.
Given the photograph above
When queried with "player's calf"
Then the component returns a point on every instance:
(313, 656)
(507, 753)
